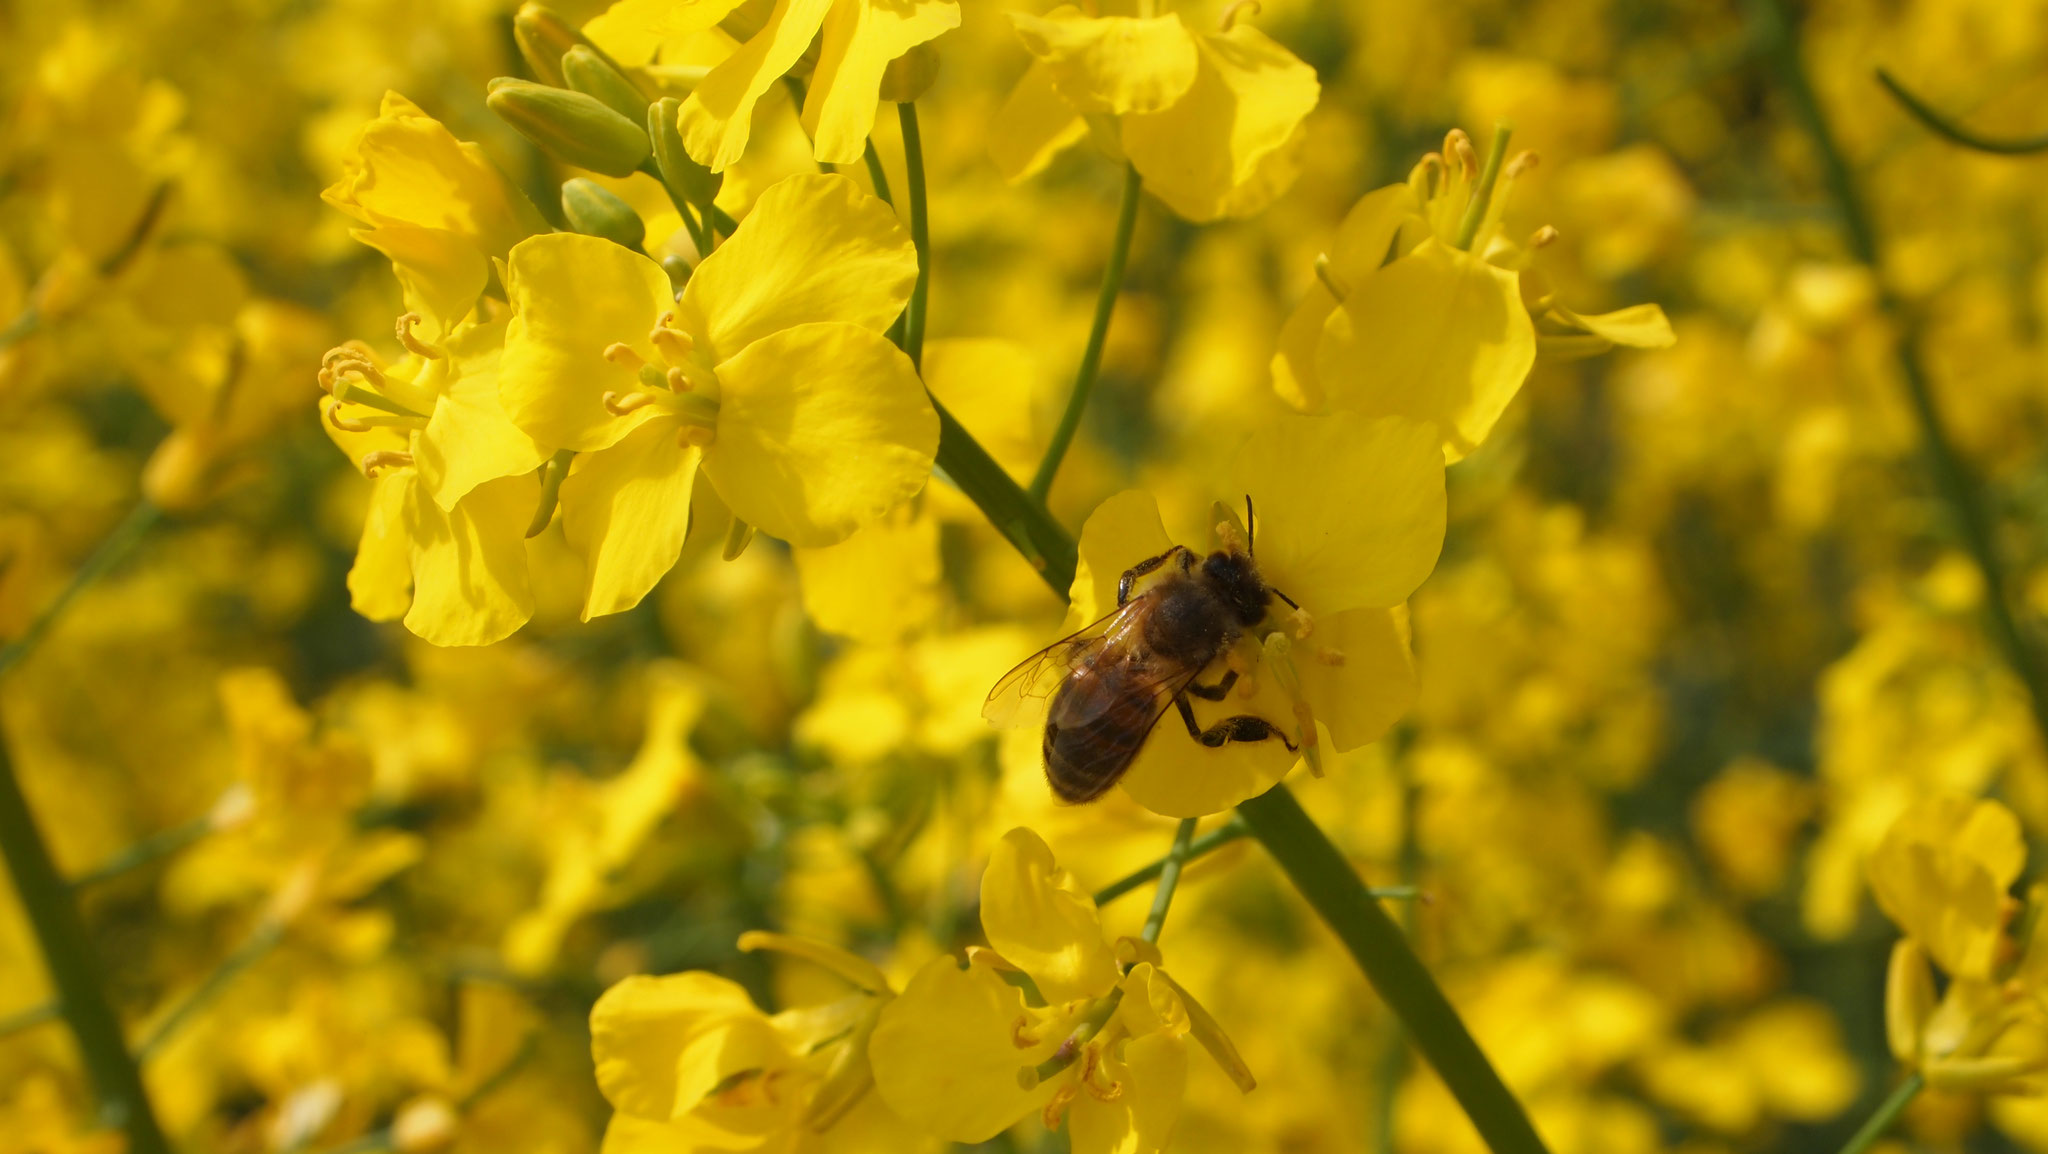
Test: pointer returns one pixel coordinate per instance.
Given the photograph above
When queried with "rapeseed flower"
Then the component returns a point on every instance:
(770, 373)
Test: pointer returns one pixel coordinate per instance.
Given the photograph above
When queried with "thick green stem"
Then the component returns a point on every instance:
(118, 545)
(1098, 333)
(1016, 514)
(1955, 133)
(1953, 478)
(1332, 888)
(1169, 880)
(920, 233)
(1887, 1113)
(67, 954)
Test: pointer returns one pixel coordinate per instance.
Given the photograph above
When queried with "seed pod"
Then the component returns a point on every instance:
(688, 179)
(570, 126)
(593, 210)
(593, 75)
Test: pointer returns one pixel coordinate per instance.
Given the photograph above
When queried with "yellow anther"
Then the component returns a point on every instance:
(1058, 1106)
(380, 459)
(678, 381)
(1231, 537)
(1105, 1089)
(1300, 623)
(413, 344)
(618, 404)
(1331, 657)
(1021, 1035)
(1542, 236)
(673, 344)
(1459, 145)
(620, 353)
(1230, 14)
(1431, 172)
(1523, 162)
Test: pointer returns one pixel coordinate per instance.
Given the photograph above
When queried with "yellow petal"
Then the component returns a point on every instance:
(1641, 326)
(1220, 149)
(470, 584)
(1037, 918)
(1294, 360)
(573, 297)
(899, 552)
(1365, 679)
(625, 510)
(715, 119)
(1942, 872)
(822, 428)
(440, 273)
(409, 169)
(1034, 125)
(814, 248)
(861, 38)
(944, 1054)
(1439, 335)
(1112, 64)
(654, 21)
(1121, 532)
(1154, 1074)
(469, 439)
(380, 581)
(721, 1050)
(1349, 510)
(1363, 243)
(639, 1027)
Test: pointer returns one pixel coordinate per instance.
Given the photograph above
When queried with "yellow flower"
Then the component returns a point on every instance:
(1942, 874)
(1349, 517)
(857, 40)
(1212, 121)
(444, 543)
(1988, 1037)
(770, 372)
(689, 1063)
(435, 205)
(1419, 307)
(1050, 1020)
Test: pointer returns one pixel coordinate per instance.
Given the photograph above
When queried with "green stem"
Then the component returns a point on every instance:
(1215, 839)
(1169, 880)
(1949, 130)
(1887, 1113)
(1953, 478)
(153, 848)
(1016, 514)
(920, 233)
(1098, 333)
(1326, 879)
(52, 913)
(876, 174)
(117, 545)
(1482, 195)
(1408, 862)
(260, 941)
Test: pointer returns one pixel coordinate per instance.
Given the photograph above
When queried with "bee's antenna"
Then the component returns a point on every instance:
(1251, 530)
(1283, 597)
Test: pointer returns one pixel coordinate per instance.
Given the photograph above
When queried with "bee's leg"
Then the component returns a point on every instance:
(1131, 575)
(1243, 727)
(1218, 691)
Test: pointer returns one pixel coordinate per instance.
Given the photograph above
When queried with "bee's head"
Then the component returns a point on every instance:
(1233, 576)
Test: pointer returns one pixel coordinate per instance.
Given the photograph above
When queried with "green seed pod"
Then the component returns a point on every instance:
(594, 211)
(685, 177)
(593, 75)
(570, 126)
(543, 37)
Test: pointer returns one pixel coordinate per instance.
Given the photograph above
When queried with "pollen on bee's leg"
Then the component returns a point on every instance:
(414, 345)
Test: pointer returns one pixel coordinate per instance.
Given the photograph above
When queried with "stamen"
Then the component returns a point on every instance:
(1523, 162)
(1230, 14)
(413, 344)
(1459, 145)
(618, 405)
(1107, 1089)
(673, 344)
(1301, 624)
(677, 381)
(1435, 173)
(622, 354)
(380, 459)
(1325, 274)
(1058, 1106)
(1543, 236)
(1021, 1035)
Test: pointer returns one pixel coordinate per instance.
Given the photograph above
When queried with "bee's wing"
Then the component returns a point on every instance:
(1034, 678)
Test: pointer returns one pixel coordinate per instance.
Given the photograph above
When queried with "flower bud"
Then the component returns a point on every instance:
(591, 74)
(543, 37)
(684, 176)
(910, 75)
(593, 210)
(572, 127)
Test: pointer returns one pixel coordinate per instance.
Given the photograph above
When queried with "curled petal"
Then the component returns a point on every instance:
(716, 118)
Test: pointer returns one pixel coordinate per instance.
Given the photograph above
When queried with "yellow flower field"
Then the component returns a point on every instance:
(824, 576)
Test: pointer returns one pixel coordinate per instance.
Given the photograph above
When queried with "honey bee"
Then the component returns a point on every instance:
(1111, 682)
